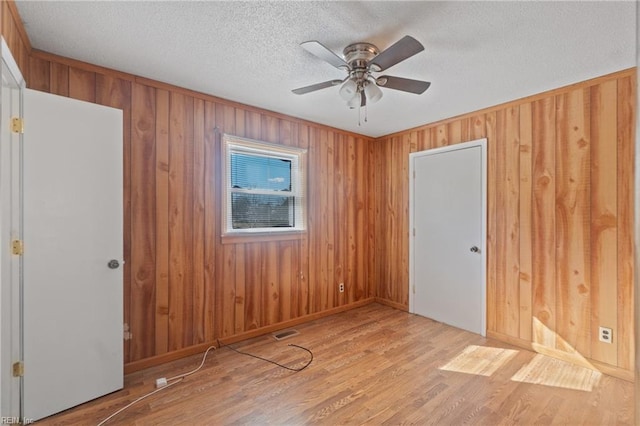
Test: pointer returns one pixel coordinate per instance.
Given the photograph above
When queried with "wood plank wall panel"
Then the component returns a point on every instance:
(604, 206)
(327, 228)
(117, 93)
(389, 162)
(544, 226)
(360, 226)
(199, 173)
(226, 117)
(161, 311)
(526, 220)
(349, 225)
(489, 132)
(181, 207)
(392, 178)
(560, 187)
(507, 214)
(626, 136)
(573, 219)
(372, 215)
(304, 295)
(403, 235)
(82, 84)
(39, 74)
(212, 222)
(340, 235)
(59, 79)
(143, 226)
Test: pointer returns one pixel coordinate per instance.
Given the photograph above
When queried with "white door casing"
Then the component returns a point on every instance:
(72, 300)
(447, 222)
(10, 229)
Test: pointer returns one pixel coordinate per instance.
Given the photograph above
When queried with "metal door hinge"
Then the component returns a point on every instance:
(17, 125)
(18, 369)
(17, 247)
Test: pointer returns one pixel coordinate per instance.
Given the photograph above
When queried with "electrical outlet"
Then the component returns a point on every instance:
(341, 287)
(605, 335)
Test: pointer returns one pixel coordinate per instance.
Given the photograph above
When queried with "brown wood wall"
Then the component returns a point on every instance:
(183, 285)
(560, 226)
(15, 35)
(560, 212)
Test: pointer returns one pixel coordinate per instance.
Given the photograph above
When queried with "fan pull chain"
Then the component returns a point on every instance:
(366, 115)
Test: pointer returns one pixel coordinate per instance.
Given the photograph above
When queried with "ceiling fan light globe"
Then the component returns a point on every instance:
(373, 92)
(348, 90)
(354, 102)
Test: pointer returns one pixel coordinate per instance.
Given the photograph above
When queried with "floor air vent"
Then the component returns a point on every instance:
(285, 334)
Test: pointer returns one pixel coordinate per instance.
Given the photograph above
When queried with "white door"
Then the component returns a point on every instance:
(447, 202)
(72, 299)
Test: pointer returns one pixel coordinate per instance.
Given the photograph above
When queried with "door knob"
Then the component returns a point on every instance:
(113, 264)
(475, 249)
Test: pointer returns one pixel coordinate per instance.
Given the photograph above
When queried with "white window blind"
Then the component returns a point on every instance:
(264, 187)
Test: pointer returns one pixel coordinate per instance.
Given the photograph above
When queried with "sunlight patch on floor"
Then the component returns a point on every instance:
(544, 370)
(479, 360)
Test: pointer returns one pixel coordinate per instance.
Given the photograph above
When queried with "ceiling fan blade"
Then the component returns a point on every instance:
(404, 48)
(317, 86)
(405, 84)
(318, 49)
(363, 99)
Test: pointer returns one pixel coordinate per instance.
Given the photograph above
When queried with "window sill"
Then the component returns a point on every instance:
(258, 237)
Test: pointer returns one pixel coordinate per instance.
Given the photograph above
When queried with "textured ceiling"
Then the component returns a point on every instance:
(477, 54)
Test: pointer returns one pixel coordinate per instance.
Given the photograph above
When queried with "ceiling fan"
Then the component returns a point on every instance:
(360, 61)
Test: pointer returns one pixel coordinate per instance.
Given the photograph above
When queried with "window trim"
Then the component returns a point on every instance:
(230, 144)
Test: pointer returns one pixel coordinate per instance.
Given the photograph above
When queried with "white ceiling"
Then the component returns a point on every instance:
(477, 54)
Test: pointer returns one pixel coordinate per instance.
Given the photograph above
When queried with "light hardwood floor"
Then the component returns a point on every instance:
(372, 365)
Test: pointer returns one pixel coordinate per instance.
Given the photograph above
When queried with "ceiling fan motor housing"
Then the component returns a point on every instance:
(358, 55)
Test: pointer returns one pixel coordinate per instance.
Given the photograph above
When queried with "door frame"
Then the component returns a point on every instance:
(482, 143)
(11, 269)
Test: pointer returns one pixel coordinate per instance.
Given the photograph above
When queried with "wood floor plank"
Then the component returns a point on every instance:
(371, 365)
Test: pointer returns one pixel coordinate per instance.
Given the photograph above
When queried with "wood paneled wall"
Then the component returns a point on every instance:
(560, 226)
(15, 35)
(183, 285)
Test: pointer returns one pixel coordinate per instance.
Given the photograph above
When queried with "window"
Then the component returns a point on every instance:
(264, 189)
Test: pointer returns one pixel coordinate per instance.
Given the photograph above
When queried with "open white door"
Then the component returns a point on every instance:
(447, 245)
(72, 297)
